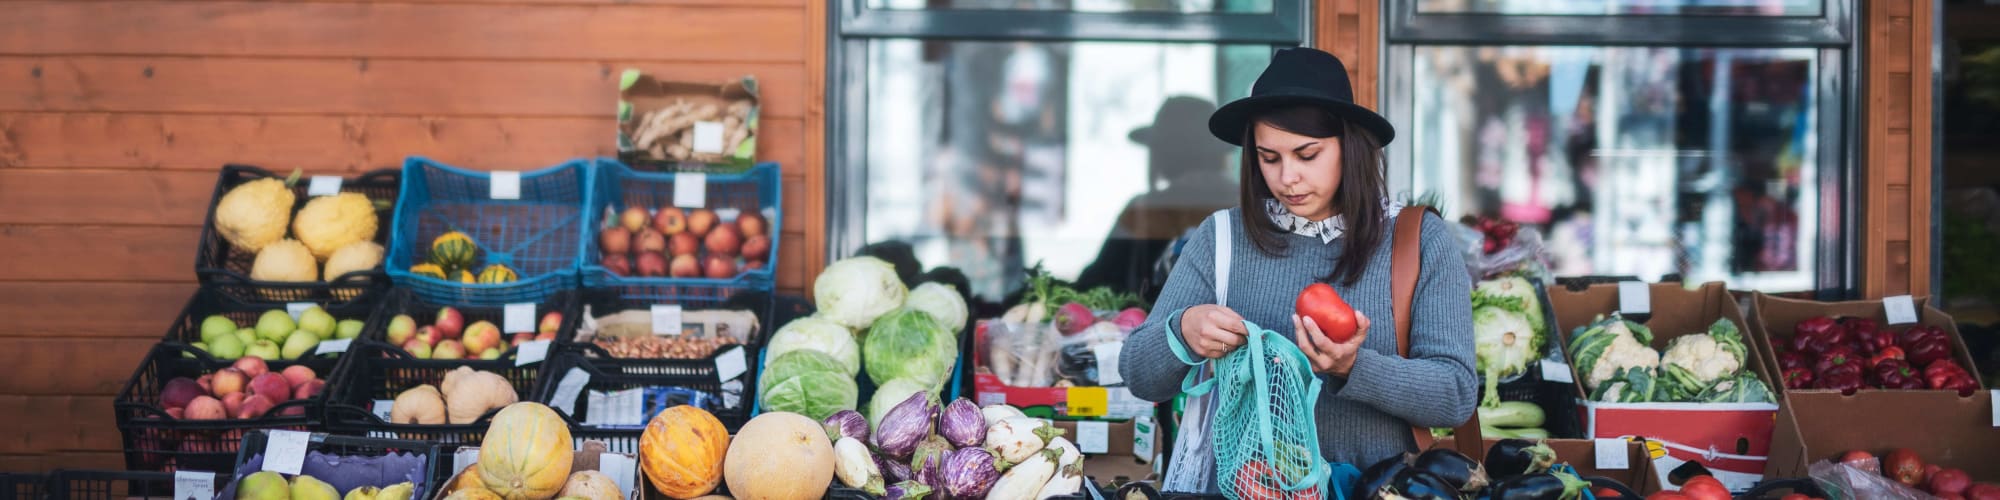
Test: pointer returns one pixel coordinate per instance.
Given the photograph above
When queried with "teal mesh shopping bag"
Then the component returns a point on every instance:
(1264, 434)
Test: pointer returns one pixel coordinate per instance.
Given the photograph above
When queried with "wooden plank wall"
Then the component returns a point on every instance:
(1352, 31)
(1896, 148)
(115, 114)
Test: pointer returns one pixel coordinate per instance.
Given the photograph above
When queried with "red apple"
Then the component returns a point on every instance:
(179, 391)
(449, 349)
(309, 389)
(618, 264)
(233, 402)
(205, 408)
(418, 349)
(1950, 481)
(701, 221)
(684, 244)
(293, 411)
(207, 383)
(752, 265)
(752, 224)
(251, 366)
(273, 386)
(255, 406)
(720, 267)
(685, 266)
(450, 323)
(521, 337)
(428, 336)
(230, 381)
(724, 241)
(402, 328)
(670, 220)
(757, 247)
(614, 240)
(481, 336)
(175, 413)
(550, 323)
(652, 264)
(633, 219)
(545, 336)
(299, 374)
(652, 241)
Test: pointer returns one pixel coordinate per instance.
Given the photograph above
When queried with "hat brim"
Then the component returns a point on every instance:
(1229, 121)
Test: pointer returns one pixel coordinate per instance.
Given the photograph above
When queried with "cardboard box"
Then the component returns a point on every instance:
(686, 125)
(1732, 440)
(1773, 319)
(634, 478)
(1115, 402)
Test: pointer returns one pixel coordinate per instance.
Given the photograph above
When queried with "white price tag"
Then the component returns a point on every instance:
(519, 318)
(568, 389)
(463, 458)
(621, 470)
(666, 319)
(505, 185)
(992, 398)
(1143, 438)
(285, 451)
(194, 485)
(1634, 297)
(298, 308)
(1093, 437)
(708, 137)
(1996, 406)
(1901, 309)
(730, 364)
(1107, 363)
(691, 190)
(384, 409)
(1612, 454)
(531, 352)
(333, 346)
(631, 406)
(324, 185)
(1557, 371)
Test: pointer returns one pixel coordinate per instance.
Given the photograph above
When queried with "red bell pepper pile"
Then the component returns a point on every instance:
(1849, 354)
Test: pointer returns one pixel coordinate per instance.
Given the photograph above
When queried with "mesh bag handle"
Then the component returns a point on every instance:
(1405, 264)
(1267, 354)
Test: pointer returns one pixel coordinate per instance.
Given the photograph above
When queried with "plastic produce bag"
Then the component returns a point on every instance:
(1524, 254)
(1847, 482)
(1022, 354)
(1079, 364)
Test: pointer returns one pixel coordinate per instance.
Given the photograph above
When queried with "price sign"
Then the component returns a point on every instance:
(730, 364)
(621, 470)
(194, 485)
(1634, 297)
(463, 458)
(1093, 437)
(568, 389)
(531, 352)
(708, 137)
(691, 190)
(1143, 438)
(1107, 363)
(333, 346)
(666, 319)
(1089, 401)
(505, 185)
(519, 318)
(384, 409)
(323, 185)
(1611, 454)
(298, 308)
(285, 451)
(1901, 309)
(1557, 371)
(992, 398)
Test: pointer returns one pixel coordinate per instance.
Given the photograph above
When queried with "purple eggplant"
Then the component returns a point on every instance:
(932, 449)
(931, 472)
(846, 423)
(894, 471)
(970, 472)
(907, 490)
(905, 425)
(961, 424)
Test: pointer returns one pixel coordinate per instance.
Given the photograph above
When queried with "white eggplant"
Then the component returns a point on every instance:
(995, 413)
(855, 467)
(1068, 479)
(1025, 479)
(1017, 439)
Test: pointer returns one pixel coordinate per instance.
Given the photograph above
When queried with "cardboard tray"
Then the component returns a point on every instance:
(1773, 318)
(640, 94)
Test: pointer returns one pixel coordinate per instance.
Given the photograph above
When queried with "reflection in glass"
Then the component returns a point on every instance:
(1180, 6)
(1634, 161)
(1624, 7)
(995, 156)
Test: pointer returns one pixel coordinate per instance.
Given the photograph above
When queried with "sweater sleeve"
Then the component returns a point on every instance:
(1436, 386)
(1147, 362)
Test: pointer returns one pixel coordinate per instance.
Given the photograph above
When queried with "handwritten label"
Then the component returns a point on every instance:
(708, 137)
(463, 458)
(1107, 363)
(691, 190)
(666, 319)
(1611, 454)
(731, 365)
(323, 185)
(568, 389)
(505, 185)
(298, 308)
(384, 409)
(1093, 437)
(333, 346)
(621, 470)
(1901, 309)
(519, 318)
(531, 352)
(1634, 297)
(194, 485)
(285, 451)
(1089, 401)
(1557, 371)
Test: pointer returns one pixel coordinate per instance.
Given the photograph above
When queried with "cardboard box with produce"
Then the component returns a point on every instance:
(1059, 349)
(1688, 377)
(678, 125)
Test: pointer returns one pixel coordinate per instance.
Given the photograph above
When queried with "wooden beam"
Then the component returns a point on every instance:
(813, 251)
(71, 309)
(71, 366)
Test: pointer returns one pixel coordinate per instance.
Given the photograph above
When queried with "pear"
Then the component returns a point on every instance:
(363, 493)
(398, 491)
(265, 485)
(308, 488)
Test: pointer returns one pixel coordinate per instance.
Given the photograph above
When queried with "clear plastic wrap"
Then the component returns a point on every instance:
(1846, 482)
(1524, 255)
(1038, 355)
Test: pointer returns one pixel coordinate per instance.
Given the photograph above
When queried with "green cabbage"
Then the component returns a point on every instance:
(909, 344)
(809, 383)
(854, 292)
(817, 334)
(941, 301)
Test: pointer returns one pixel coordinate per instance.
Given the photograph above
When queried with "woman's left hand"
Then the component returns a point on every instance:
(1327, 356)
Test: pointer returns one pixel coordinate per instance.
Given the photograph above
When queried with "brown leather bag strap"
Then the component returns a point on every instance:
(1405, 264)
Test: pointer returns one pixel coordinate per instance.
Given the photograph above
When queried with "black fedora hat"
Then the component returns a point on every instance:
(1298, 76)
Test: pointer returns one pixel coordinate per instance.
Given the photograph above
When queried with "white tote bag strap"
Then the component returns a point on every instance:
(1223, 237)
(1193, 468)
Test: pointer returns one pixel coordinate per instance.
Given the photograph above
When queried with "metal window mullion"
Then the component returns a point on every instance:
(1050, 26)
(1830, 29)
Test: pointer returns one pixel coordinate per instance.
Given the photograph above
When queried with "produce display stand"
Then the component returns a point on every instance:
(600, 302)
(156, 441)
(250, 459)
(226, 269)
(536, 234)
(607, 375)
(113, 485)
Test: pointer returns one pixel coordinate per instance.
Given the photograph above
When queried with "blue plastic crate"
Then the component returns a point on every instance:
(616, 186)
(536, 235)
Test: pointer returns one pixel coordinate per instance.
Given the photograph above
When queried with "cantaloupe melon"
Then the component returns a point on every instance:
(779, 445)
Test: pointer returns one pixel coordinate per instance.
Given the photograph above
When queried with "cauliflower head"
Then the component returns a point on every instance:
(328, 223)
(286, 260)
(1624, 352)
(253, 214)
(1709, 356)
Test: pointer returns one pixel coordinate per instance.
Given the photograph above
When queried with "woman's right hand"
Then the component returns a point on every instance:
(1212, 331)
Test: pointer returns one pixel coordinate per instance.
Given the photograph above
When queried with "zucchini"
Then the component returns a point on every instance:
(1513, 414)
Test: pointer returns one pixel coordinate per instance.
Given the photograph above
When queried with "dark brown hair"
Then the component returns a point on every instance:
(1359, 198)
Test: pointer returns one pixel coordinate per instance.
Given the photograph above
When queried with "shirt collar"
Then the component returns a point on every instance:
(1326, 229)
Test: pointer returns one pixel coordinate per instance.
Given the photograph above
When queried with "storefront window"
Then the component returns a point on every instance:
(1624, 7)
(1180, 6)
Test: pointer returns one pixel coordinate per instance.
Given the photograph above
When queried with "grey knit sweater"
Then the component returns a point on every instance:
(1366, 416)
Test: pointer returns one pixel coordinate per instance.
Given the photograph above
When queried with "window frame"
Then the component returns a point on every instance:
(852, 25)
(1831, 34)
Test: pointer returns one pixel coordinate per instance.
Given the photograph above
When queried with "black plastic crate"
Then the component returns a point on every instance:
(156, 441)
(424, 312)
(208, 301)
(608, 375)
(113, 485)
(23, 487)
(605, 302)
(248, 461)
(227, 269)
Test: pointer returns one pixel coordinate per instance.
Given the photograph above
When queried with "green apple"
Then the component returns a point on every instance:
(225, 347)
(265, 485)
(263, 349)
(215, 326)
(318, 322)
(197, 346)
(275, 325)
(349, 328)
(300, 343)
(246, 335)
(490, 353)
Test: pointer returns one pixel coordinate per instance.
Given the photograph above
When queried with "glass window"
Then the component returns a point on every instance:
(1641, 161)
(1178, 6)
(1624, 7)
(995, 156)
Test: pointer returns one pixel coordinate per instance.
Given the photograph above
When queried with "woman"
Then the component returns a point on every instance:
(1313, 208)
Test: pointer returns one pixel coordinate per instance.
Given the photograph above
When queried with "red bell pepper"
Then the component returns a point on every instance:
(1927, 351)
(1844, 378)
(1794, 359)
(1919, 333)
(1836, 356)
(1867, 335)
(1896, 374)
(1947, 375)
(1816, 335)
(1798, 377)
(1891, 352)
